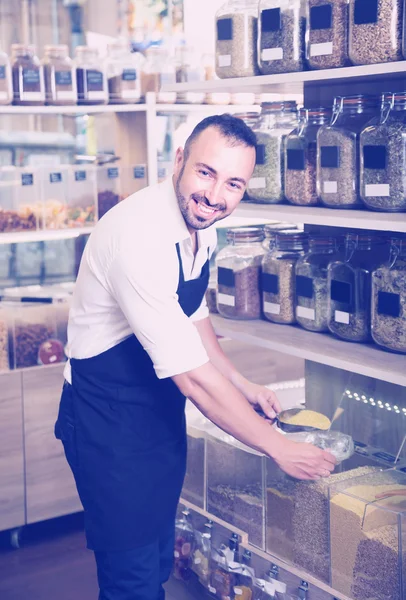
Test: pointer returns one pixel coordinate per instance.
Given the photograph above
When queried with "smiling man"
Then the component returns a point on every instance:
(140, 342)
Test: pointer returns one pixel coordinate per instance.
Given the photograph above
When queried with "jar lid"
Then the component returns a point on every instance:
(273, 228)
(23, 48)
(320, 111)
(288, 106)
(323, 241)
(356, 100)
(291, 240)
(86, 50)
(55, 48)
(245, 234)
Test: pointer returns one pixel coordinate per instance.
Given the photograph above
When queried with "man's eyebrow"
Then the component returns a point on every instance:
(214, 172)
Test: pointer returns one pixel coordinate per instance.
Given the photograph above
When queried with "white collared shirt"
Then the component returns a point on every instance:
(128, 282)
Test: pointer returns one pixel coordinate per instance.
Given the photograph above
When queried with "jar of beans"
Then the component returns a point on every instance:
(278, 276)
(301, 157)
(239, 274)
(338, 159)
(327, 33)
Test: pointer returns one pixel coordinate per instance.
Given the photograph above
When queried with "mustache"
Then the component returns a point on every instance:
(202, 198)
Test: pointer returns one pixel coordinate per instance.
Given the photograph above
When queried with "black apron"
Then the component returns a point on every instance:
(124, 433)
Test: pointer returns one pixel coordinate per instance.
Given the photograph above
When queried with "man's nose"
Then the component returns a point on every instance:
(214, 194)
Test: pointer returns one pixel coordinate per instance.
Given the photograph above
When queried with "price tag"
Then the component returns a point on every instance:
(257, 183)
(325, 49)
(375, 190)
(226, 300)
(342, 317)
(272, 54)
(330, 187)
(272, 309)
(224, 60)
(306, 313)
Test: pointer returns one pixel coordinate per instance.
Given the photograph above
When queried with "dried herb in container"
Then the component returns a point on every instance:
(327, 34)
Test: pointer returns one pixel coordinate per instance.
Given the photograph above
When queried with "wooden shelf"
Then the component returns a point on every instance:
(364, 359)
(43, 236)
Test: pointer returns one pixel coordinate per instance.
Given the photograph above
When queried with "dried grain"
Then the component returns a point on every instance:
(288, 43)
(301, 185)
(389, 331)
(239, 54)
(245, 296)
(332, 42)
(281, 307)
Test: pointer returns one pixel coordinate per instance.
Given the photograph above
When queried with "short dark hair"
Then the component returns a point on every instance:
(230, 127)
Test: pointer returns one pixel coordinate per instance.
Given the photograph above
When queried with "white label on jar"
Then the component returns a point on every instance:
(257, 183)
(324, 49)
(342, 317)
(212, 590)
(373, 190)
(226, 300)
(96, 95)
(130, 94)
(330, 187)
(306, 313)
(66, 96)
(272, 54)
(225, 60)
(238, 591)
(32, 96)
(272, 309)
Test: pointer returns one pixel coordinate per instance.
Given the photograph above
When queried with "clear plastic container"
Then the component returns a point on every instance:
(301, 157)
(383, 167)
(338, 160)
(54, 194)
(239, 274)
(108, 189)
(6, 84)
(123, 70)
(202, 554)
(90, 76)
(276, 122)
(133, 179)
(28, 76)
(82, 196)
(59, 260)
(194, 490)
(236, 39)
(311, 283)
(349, 286)
(20, 206)
(281, 36)
(29, 262)
(60, 76)
(278, 276)
(4, 336)
(184, 546)
(159, 69)
(367, 529)
(375, 31)
(388, 321)
(189, 69)
(327, 34)
(271, 230)
(222, 569)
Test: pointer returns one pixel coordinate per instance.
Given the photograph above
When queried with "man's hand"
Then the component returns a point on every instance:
(258, 395)
(303, 461)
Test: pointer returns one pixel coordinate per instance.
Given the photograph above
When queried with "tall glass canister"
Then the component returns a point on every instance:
(327, 34)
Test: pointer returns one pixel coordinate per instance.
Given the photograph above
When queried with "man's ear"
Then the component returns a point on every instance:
(179, 159)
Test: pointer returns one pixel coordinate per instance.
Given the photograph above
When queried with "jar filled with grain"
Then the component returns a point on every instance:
(271, 230)
(189, 69)
(301, 157)
(375, 31)
(388, 321)
(28, 76)
(383, 161)
(90, 76)
(239, 274)
(327, 34)
(349, 286)
(276, 122)
(60, 76)
(123, 69)
(281, 33)
(6, 86)
(278, 276)
(338, 160)
(159, 69)
(311, 283)
(236, 39)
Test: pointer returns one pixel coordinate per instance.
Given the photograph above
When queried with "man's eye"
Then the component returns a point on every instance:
(235, 186)
(203, 172)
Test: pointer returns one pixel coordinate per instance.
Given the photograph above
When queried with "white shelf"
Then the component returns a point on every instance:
(207, 108)
(43, 236)
(356, 219)
(293, 82)
(364, 359)
(72, 110)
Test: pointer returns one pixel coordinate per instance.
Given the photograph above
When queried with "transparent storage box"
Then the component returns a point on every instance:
(54, 194)
(6, 254)
(194, 487)
(327, 33)
(29, 262)
(82, 196)
(108, 189)
(59, 260)
(20, 206)
(133, 179)
(367, 530)
(4, 337)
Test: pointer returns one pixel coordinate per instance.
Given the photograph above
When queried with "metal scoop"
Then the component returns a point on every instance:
(286, 415)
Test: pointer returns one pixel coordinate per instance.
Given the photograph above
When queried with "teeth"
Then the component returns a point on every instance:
(205, 209)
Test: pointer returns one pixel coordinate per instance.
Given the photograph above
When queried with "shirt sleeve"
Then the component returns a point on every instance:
(144, 285)
(201, 313)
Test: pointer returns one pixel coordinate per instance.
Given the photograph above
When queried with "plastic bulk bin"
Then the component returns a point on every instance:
(54, 192)
(194, 489)
(4, 335)
(82, 196)
(108, 189)
(133, 179)
(20, 207)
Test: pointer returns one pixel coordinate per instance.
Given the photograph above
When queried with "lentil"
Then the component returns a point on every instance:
(327, 34)
(300, 184)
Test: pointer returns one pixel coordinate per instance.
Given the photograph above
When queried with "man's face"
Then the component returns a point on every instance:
(211, 182)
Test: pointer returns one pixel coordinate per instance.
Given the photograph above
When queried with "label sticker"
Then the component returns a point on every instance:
(260, 154)
(296, 159)
(342, 317)
(272, 54)
(325, 49)
(31, 77)
(2, 72)
(374, 157)
(330, 157)
(330, 187)
(238, 591)
(63, 77)
(225, 277)
(365, 11)
(94, 80)
(112, 173)
(385, 456)
(139, 172)
(304, 286)
(224, 30)
(306, 313)
(272, 308)
(129, 75)
(211, 589)
(389, 304)
(378, 189)
(80, 175)
(27, 179)
(257, 183)
(271, 20)
(55, 178)
(270, 283)
(225, 60)
(341, 291)
(130, 94)
(321, 17)
(226, 300)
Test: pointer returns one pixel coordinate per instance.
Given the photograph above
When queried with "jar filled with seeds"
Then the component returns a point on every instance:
(338, 159)
(349, 286)
(375, 31)
(28, 76)
(311, 283)
(327, 34)
(6, 86)
(388, 321)
(281, 32)
(90, 76)
(189, 69)
(60, 76)
(301, 157)
(276, 122)
(278, 276)
(239, 274)
(159, 69)
(123, 70)
(271, 230)
(236, 39)
(383, 162)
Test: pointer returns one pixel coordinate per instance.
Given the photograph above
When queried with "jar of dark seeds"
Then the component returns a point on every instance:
(90, 76)
(327, 34)
(375, 31)
(388, 321)
(271, 230)
(236, 39)
(383, 164)
(278, 276)
(349, 286)
(239, 274)
(277, 120)
(60, 76)
(281, 31)
(311, 283)
(301, 157)
(123, 69)
(28, 76)
(338, 151)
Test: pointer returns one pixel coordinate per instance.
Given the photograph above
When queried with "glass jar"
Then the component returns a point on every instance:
(189, 69)
(277, 120)
(388, 320)
(6, 86)
(90, 76)
(349, 287)
(4, 343)
(281, 36)
(123, 70)
(159, 69)
(28, 76)
(271, 230)
(236, 39)
(278, 276)
(338, 151)
(327, 34)
(238, 274)
(60, 76)
(375, 31)
(383, 161)
(311, 283)
(301, 157)
(184, 546)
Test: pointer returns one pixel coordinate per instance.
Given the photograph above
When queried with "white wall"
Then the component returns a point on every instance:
(199, 18)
